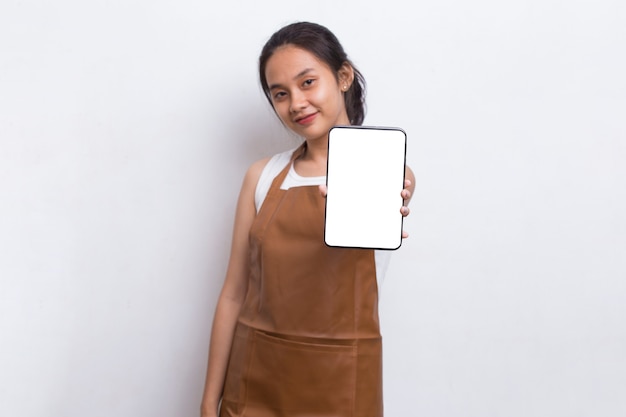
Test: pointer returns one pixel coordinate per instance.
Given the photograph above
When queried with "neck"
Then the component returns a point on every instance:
(316, 151)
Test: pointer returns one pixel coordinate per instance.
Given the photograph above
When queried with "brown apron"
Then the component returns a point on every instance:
(307, 341)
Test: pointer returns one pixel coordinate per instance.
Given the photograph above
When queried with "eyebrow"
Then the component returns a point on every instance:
(300, 74)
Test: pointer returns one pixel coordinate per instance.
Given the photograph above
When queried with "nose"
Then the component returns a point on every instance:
(298, 101)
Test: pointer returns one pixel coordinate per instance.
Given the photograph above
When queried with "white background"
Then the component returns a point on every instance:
(126, 127)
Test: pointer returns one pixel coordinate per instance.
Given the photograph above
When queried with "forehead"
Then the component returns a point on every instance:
(288, 61)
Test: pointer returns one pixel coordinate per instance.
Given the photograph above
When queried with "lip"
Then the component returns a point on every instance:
(306, 120)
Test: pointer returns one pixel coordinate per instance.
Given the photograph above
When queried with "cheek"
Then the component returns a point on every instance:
(325, 94)
(282, 110)
(327, 97)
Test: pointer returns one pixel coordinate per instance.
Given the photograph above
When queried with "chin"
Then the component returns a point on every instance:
(315, 135)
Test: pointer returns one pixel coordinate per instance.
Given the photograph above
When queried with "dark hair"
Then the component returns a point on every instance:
(322, 43)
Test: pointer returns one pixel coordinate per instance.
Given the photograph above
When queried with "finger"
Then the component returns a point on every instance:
(404, 235)
(407, 183)
(323, 190)
(406, 194)
(405, 211)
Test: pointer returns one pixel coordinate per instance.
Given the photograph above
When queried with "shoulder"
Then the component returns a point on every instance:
(255, 170)
(277, 162)
(251, 179)
(269, 168)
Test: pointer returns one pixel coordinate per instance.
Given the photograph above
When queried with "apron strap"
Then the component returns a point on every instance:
(280, 178)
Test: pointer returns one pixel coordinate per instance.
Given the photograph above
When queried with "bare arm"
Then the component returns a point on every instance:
(232, 294)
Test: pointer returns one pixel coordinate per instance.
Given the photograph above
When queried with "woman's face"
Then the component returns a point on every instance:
(305, 93)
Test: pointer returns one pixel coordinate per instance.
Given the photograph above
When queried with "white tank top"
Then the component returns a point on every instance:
(273, 168)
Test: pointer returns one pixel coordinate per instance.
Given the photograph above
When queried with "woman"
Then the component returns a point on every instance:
(296, 329)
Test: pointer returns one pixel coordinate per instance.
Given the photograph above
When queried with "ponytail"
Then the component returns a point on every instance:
(355, 98)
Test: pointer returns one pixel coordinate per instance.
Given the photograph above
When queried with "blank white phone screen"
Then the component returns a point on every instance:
(365, 177)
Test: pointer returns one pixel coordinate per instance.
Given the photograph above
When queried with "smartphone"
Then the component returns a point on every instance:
(364, 178)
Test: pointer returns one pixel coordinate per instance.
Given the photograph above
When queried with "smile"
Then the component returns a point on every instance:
(306, 119)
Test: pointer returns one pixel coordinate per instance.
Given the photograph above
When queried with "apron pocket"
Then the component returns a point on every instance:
(299, 378)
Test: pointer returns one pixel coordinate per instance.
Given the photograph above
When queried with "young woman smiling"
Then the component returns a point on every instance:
(296, 330)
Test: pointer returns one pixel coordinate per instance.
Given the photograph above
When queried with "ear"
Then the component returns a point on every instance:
(345, 75)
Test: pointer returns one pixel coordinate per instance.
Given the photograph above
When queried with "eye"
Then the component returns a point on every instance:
(279, 95)
(309, 82)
